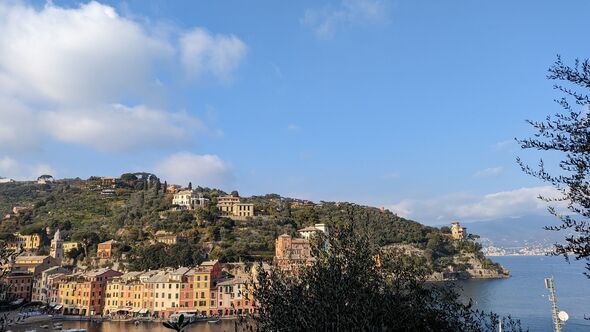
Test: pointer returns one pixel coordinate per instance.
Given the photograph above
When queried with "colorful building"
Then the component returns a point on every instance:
(232, 206)
(84, 293)
(19, 286)
(27, 242)
(292, 252)
(105, 249)
(457, 231)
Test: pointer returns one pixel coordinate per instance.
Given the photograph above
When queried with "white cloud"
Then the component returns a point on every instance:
(204, 170)
(65, 73)
(468, 207)
(293, 127)
(11, 168)
(325, 21)
(203, 53)
(18, 126)
(75, 55)
(488, 172)
(120, 128)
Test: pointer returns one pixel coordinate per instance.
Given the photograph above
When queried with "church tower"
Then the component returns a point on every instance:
(57, 247)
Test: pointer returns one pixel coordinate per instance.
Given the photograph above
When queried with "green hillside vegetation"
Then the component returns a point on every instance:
(141, 207)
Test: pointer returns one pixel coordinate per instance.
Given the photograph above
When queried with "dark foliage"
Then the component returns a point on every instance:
(345, 290)
(567, 134)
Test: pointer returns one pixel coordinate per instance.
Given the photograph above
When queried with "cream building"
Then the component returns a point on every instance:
(231, 206)
(28, 242)
(189, 200)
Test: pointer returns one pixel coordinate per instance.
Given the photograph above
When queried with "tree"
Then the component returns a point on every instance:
(235, 193)
(128, 177)
(567, 134)
(190, 186)
(178, 326)
(352, 286)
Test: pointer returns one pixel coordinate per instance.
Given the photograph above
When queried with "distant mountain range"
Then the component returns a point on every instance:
(516, 232)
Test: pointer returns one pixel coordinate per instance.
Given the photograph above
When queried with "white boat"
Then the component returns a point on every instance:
(213, 321)
(75, 330)
(44, 326)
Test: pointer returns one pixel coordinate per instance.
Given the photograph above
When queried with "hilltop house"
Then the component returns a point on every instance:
(189, 200)
(457, 231)
(231, 206)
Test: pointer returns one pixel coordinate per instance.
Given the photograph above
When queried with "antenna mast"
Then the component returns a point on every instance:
(553, 299)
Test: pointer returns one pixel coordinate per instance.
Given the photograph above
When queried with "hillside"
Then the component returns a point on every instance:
(140, 206)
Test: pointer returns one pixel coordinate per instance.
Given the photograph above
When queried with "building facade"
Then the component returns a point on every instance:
(231, 206)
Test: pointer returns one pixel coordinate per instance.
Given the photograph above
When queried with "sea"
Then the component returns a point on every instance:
(523, 296)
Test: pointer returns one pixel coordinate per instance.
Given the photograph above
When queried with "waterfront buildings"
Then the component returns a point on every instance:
(204, 290)
(84, 293)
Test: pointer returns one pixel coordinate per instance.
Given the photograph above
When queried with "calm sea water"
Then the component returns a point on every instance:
(523, 296)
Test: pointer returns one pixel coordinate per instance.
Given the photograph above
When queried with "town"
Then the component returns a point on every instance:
(102, 285)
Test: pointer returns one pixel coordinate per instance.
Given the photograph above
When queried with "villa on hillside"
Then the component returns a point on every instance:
(231, 206)
(189, 200)
(457, 231)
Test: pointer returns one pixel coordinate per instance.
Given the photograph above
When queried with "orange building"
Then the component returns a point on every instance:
(205, 277)
(84, 293)
(105, 249)
(20, 285)
(292, 252)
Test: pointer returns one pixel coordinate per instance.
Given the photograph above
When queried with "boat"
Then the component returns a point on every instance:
(44, 326)
(136, 322)
(75, 330)
(213, 321)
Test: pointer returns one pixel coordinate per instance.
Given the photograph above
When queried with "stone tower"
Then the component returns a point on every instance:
(57, 247)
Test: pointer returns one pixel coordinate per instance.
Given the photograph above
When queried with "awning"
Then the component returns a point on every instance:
(57, 307)
(143, 311)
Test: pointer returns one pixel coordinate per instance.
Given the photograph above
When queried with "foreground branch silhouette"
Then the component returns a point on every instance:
(352, 286)
(567, 135)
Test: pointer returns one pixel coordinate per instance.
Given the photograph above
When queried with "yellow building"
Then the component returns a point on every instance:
(458, 232)
(29, 242)
(33, 264)
(167, 237)
(231, 206)
(243, 210)
(69, 246)
(204, 277)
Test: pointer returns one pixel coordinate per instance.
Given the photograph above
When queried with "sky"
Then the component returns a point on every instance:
(412, 105)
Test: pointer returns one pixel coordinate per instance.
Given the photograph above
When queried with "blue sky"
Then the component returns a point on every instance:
(411, 105)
